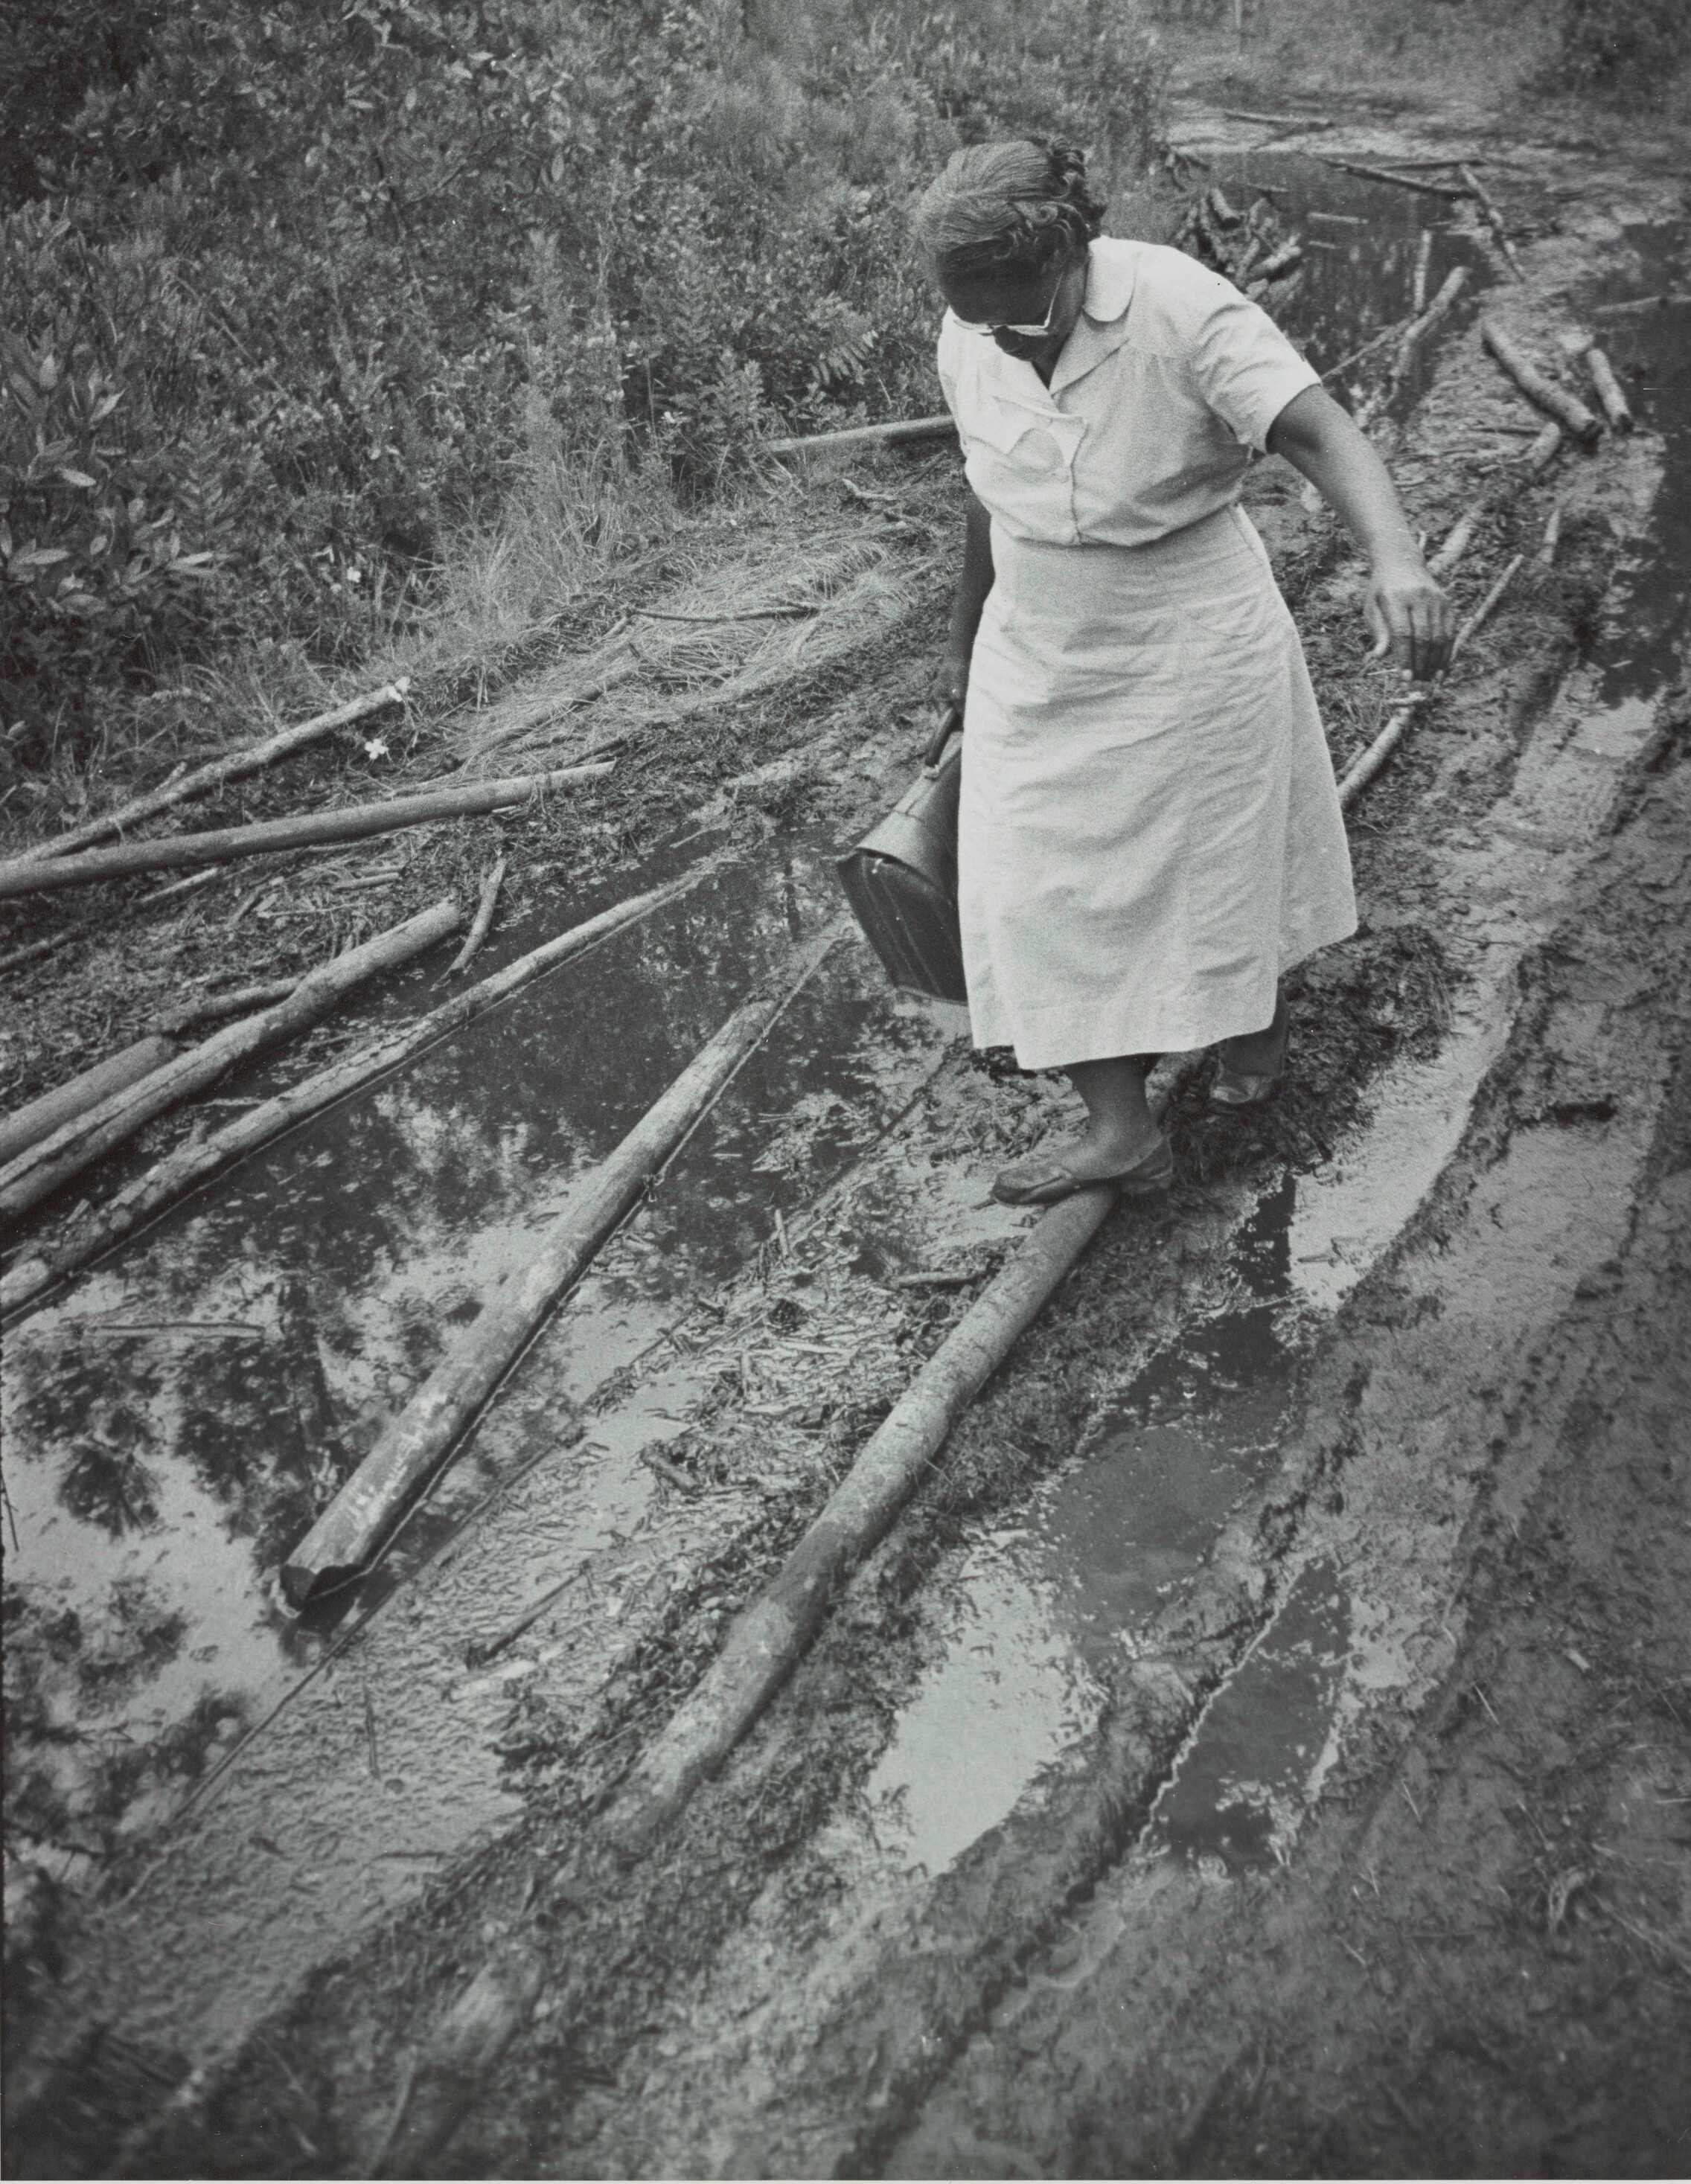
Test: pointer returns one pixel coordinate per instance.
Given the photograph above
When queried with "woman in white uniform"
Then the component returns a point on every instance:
(1150, 833)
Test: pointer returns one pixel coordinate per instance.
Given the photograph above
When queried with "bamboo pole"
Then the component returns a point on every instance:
(911, 430)
(1358, 776)
(76, 1144)
(1568, 411)
(483, 918)
(190, 1163)
(767, 1638)
(116, 1074)
(352, 823)
(418, 1442)
(248, 760)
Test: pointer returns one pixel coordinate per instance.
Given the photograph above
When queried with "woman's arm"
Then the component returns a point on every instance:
(1409, 614)
(974, 581)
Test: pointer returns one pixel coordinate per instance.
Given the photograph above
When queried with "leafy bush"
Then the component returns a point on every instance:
(308, 286)
(1622, 49)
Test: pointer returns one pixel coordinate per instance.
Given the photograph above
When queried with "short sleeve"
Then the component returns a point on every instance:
(948, 362)
(1245, 369)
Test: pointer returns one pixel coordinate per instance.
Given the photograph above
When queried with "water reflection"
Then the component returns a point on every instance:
(173, 1424)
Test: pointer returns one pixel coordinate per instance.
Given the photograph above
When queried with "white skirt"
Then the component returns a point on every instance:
(1149, 830)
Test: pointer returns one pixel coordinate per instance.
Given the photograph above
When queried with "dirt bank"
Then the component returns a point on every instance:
(1223, 1848)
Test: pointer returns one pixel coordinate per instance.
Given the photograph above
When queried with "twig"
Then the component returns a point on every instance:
(749, 613)
(1568, 411)
(1553, 532)
(1487, 205)
(1625, 310)
(1291, 123)
(370, 1733)
(901, 434)
(478, 1656)
(935, 1278)
(1364, 770)
(1381, 175)
(246, 761)
(483, 919)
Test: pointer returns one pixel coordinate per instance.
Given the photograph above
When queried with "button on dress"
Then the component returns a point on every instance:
(1149, 831)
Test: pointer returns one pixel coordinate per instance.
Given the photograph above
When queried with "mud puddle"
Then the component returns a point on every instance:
(174, 1422)
(1035, 1613)
(1360, 240)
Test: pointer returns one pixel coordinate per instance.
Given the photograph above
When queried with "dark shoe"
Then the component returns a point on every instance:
(1043, 1183)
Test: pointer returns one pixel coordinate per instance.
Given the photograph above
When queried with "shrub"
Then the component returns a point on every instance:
(1629, 50)
(309, 286)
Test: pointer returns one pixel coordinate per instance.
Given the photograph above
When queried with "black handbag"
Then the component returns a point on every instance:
(901, 878)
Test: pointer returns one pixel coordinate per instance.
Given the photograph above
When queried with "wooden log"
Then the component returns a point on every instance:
(1568, 411)
(1544, 450)
(190, 1163)
(415, 1444)
(910, 431)
(1290, 122)
(1494, 218)
(1281, 261)
(1383, 175)
(76, 1144)
(1637, 305)
(116, 1074)
(482, 921)
(1409, 341)
(1552, 538)
(767, 1639)
(248, 760)
(1454, 545)
(1358, 775)
(459, 2058)
(1615, 407)
(352, 823)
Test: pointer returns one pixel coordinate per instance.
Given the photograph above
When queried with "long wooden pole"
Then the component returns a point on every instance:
(767, 1638)
(415, 1444)
(192, 1163)
(248, 760)
(901, 434)
(350, 824)
(76, 1144)
(1556, 402)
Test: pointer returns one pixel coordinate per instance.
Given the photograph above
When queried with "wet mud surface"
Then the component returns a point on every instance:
(1136, 1813)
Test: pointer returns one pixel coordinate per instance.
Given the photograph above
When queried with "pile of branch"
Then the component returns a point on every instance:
(1255, 249)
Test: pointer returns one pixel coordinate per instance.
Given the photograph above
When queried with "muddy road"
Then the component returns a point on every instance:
(1263, 1748)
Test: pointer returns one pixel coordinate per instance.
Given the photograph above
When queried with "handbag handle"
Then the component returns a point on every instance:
(950, 721)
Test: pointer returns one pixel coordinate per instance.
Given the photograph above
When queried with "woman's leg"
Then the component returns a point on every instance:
(1255, 1053)
(1118, 1128)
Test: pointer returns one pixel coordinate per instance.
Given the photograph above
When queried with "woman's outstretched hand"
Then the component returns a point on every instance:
(1410, 618)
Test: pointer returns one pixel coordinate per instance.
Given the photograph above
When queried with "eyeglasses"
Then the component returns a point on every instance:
(983, 327)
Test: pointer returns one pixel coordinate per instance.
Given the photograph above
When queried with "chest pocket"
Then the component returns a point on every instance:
(1014, 457)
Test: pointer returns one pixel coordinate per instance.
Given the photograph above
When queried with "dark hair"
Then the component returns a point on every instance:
(1017, 204)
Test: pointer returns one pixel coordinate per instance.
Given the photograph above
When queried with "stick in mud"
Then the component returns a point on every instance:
(200, 1158)
(482, 920)
(416, 1443)
(1567, 409)
(248, 760)
(1487, 205)
(1358, 776)
(76, 1144)
(352, 822)
(1383, 175)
